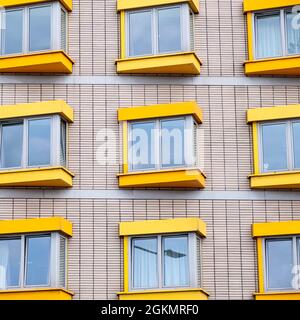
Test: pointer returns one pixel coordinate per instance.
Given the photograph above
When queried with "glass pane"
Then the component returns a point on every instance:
(280, 263)
(63, 31)
(63, 139)
(10, 262)
(13, 33)
(38, 260)
(39, 142)
(176, 261)
(140, 33)
(293, 34)
(172, 143)
(274, 147)
(296, 144)
(169, 30)
(268, 36)
(144, 261)
(40, 28)
(11, 145)
(142, 146)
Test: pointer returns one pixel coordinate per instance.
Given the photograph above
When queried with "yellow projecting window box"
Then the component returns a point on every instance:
(177, 177)
(178, 63)
(256, 5)
(9, 3)
(278, 179)
(53, 175)
(36, 294)
(39, 62)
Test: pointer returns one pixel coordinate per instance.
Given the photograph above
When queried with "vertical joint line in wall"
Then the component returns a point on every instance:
(224, 148)
(214, 248)
(227, 248)
(236, 136)
(232, 37)
(220, 46)
(241, 249)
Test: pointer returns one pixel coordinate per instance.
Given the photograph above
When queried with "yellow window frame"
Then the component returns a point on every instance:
(68, 4)
(159, 227)
(260, 231)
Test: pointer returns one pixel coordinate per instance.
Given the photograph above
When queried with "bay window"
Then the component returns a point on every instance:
(34, 28)
(33, 260)
(275, 34)
(159, 30)
(33, 142)
(165, 261)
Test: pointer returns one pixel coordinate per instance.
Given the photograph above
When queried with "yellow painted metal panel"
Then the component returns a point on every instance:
(278, 295)
(282, 180)
(126, 265)
(37, 109)
(51, 224)
(276, 228)
(8, 3)
(273, 113)
(37, 177)
(255, 5)
(255, 148)
(184, 294)
(163, 226)
(178, 63)
(181, 178)
(134, 4)
(125, 146)
(123, 34)
(41, 62)
(161, 110)
(36, 294)
(260, 264)
(276, 66)
(250, 36)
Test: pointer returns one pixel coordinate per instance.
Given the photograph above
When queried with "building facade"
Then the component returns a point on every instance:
(85, 215)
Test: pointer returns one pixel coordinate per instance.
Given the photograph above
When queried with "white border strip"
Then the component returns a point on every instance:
(150, 194)
(149, 80)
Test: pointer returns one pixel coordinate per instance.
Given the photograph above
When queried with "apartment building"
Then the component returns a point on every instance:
(150, 149)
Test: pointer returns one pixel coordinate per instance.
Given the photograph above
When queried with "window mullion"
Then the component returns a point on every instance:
(26, 30)
(283, 35)
(154, 31)
(158, 153)
(25, 144)
(159, 261)
(295, 259)
(289, 146)
(23, 262)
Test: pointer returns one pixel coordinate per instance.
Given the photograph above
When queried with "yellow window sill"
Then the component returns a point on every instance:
(176, 178)
(284, 295)
(36, 294)
(289, 65)
(8, 3)
(176, 294)
(281, 180)
(177, 63)
(37, 177)
(38, 62)
(134, 4)
(255, 5)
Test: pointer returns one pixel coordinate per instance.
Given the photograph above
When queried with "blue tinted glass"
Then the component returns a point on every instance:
(10, 258)
(296, 144)
(13, 33)
(39, 141)
(11, 145)
(293, 34)
(38, 260)
(40, 28)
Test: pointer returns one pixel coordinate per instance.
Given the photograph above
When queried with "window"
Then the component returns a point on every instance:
(279, 147)
(33, 260)
(275, 34)
(33, 142)
(159, 30)
(165, 261)
(34, 28)
(162, 143)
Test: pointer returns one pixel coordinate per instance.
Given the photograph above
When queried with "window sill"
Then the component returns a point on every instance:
(282, 180)
(8, 3)
(176, 63)
(36, 294)
(288, 65)
(176, 294)
(38, 62)
(175, 178)
(37, 177)
(283, 295)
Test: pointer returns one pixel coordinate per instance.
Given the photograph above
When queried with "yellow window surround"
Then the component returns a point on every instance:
(53, 176)
(175, 177)
(9, 3)
(272, 229)
(256, 5)
(135, 4)
(29, 226)
(159, 227)
(269, 180)
(52, 224)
